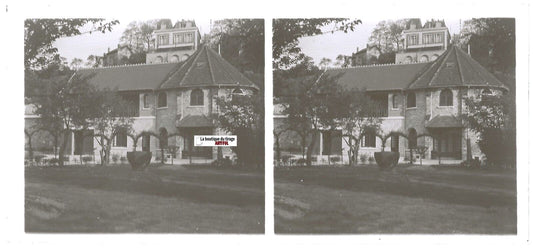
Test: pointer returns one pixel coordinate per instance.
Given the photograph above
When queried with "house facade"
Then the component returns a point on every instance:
(169, 98)
(366, 56)
(425, 98)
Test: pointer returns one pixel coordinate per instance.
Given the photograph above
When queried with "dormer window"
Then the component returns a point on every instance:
(446, 98)
(197, 97)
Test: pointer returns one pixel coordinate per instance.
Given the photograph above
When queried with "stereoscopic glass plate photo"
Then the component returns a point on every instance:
(400, 126)
(113, 109)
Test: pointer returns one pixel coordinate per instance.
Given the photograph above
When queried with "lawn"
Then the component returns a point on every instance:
(416, 199)
(168, 199)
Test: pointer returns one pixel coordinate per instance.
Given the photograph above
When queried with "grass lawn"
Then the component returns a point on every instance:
(160, 200)
(416, 199)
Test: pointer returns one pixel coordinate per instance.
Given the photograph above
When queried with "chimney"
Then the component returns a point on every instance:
(108, 49)
(357, 49)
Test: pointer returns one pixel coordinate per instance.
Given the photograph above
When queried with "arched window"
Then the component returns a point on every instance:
(485, 93)
(163, 138)
(424, 58)
(197, 97)
(446, 98)
(174, 58)
(238, 91)
(162, 99)
(395, 101)
(159, 59)
(412, 138)
(408, 59)
(411, 99)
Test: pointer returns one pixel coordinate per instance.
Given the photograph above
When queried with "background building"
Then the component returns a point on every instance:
(174, 43)
(423, 43)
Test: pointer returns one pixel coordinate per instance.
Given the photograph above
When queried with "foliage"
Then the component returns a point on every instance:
(138, 35)
(40, 34)
(64, 105)
(241, 42)
(387, 35)
(286, 32)
(112, 115)
(243, 115)
(490, 117)
(496, 38)
(358, 114)
(363, 158)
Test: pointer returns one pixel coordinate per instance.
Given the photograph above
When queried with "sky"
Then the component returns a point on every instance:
(331, 45)
(97, 43)
(321, 46)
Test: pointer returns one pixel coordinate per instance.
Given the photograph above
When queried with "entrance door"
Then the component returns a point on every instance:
(395, 143)
(196, 151)
(449, 144)
(146, 142)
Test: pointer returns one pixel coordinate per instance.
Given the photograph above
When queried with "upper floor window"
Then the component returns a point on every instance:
(439, 37)
(446, 98)
(411, 100)
(395, 101)
(189, 38)
(197, 97)
(178, 38)
(163, 39)
(146, 104)
(162, 100)
(412, 40)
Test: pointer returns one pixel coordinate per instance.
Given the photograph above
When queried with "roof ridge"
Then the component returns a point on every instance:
(443, 62)
(375, 65)
(210, 67)
(169, 75)
(459, 66)
(192, 65)
(127, 65)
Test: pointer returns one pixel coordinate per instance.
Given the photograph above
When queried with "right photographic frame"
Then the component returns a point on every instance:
(394, 126)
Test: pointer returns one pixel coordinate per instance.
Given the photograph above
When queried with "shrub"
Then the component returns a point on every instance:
(87, 159)
(53, 161)
(363, 158)
(285, 158)
(335, 159)
(115, 158)
(386, 159)
(38, 158)
(223, 162)
(300, 161)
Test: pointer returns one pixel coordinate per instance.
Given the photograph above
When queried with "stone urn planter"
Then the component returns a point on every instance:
(139, 160)
(386, 159)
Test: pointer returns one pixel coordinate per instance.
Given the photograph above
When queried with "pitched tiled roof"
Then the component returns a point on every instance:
(203, 68)
(455, 68)
(191, 121)
(206, 68)
(378, 77)
(130, 77)
(444, 122)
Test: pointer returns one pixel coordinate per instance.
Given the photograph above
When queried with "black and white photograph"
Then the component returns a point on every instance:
(394, 126)
(144, 126)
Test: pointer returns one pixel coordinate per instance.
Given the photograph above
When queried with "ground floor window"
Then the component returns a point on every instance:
(331, 143)
(121, 139)
(369, 139)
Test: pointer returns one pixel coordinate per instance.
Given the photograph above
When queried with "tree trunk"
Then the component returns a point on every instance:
(310, 149)
(62, 150)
